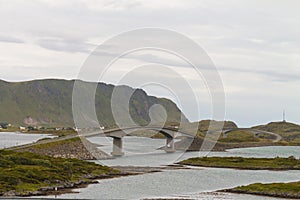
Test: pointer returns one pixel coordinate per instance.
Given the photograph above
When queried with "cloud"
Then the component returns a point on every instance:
(10, 39)
(255, 44)
(58, 44)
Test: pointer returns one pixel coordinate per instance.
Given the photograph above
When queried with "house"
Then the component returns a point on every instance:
(22, 128)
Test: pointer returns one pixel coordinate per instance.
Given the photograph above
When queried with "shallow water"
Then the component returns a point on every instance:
(196, 183)
(10, 139)
(175, 183)
(144, 152)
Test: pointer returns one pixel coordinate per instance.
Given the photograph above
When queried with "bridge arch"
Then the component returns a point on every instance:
(118, 135)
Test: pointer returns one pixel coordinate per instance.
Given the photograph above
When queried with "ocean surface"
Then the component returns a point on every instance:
(196, 182)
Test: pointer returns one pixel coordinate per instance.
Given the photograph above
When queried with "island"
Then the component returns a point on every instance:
(281, 190)
(27, 174)
(290, 163)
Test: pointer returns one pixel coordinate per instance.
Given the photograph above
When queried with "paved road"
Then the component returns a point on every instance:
(278, 137)
(255, 131)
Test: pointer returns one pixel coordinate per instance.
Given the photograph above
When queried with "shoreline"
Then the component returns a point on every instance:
(265, 194)
(131, 171)
(69, 187)
(242, 163)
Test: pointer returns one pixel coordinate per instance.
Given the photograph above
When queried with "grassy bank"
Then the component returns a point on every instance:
(24, 173)
(290, 163)
(283, 190)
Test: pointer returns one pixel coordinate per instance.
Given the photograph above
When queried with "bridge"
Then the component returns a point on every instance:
(254, 131)
(119, 133)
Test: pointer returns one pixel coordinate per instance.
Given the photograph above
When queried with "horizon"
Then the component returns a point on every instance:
(198, 98)
(236, 122)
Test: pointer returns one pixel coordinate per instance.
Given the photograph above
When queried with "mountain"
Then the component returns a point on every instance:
(49, 103)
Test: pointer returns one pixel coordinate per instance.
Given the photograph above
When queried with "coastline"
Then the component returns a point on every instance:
(68, 187)
(265, 194)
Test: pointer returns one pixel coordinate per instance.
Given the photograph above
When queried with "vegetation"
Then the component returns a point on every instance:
(289, 131)
(58, 133)
(284, 190)
(212, 125)
(10, 129)
(290, 163)
(56, 144)
(239, 136)
(49, 103)
(27, 172)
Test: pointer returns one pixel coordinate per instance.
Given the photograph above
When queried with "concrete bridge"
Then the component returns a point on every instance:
(118, 134)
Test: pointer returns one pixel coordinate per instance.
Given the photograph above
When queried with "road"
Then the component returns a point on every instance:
(255, 131)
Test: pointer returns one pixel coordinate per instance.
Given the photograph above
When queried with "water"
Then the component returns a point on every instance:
(174, 183)
(144, 152)
(10, 139)
(196, 183)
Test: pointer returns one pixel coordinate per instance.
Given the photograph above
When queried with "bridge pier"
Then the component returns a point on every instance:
(117, 146)
(170, 147)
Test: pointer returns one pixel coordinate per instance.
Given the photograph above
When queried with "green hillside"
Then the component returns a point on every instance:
(49, 103)
(289, 131)
(213, 125)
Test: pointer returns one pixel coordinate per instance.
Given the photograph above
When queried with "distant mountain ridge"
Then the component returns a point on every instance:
(48, 102)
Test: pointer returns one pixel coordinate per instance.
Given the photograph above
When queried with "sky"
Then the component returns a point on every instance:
(254, 44)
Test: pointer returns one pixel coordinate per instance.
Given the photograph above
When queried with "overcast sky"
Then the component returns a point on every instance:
(254, 44)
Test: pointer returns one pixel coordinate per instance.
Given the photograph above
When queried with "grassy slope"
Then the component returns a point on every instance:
(289, 131)
(23, 172)
(284, 190)
(49, 102)
(245, 163)
(239, 136)
(204, 125)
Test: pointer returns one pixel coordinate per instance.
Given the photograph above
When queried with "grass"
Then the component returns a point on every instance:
(284, 190)
(48, 103)
(290, 163)
(24, 172)
(289, 131)
(58, 133)
(10, 129)
(56, 144)
(239, 136)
